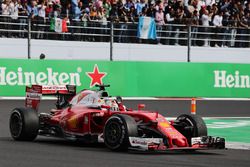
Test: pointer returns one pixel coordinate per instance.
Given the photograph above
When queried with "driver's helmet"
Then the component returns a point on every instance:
(111, 103)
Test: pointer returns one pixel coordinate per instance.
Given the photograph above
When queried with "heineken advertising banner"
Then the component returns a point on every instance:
(156, 79)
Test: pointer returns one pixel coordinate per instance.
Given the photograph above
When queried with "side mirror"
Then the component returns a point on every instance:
(141, 106)
(118, 99)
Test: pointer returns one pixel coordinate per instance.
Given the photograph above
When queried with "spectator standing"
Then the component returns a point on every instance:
(107, 7)
(1, 6)
(209, 2)
(22, 13)
(132, 14)
(200, 4)
(194, 23)
(151, 10)
(242, 31)
(67, 12)
(32, 9)
(85, 20)
(178, 20)
(217, 22)
(233, 25)
(247, 8)
(41, 19)
(93, 13)
(76, 12)
(14, 16)
(14, 10)
(93, 22)
(49, 9)
(123, 20)
(32, 14)
(6, 10)
(114, 13)
(226, 29)
(128, 5)
(140, 4)
(170, 18)
(160, 22)
(205, 28)
(225, 5)
(57, 11)
(214, 10)
(101, 16)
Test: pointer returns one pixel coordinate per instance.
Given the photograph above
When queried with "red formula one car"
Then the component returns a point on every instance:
(94, 116)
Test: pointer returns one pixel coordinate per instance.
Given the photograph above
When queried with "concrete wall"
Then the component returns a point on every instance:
(17, 48)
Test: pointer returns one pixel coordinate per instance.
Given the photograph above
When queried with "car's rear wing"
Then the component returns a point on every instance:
(35, 92)
(61, 89)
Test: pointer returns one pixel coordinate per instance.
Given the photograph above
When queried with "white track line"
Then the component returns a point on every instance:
(145, 98)
(23, 98)
(226, 99)
(238, 145)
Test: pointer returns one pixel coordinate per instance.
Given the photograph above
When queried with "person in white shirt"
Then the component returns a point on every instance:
(209, 2)
(14, 9)
(6, 10)
(205, 23)
(217, 22)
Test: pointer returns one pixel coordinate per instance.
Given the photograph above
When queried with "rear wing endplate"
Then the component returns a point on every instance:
(33, 96)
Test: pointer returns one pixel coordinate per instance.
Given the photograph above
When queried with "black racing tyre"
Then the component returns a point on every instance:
(117, 131)
(192, 126)
(24, 124)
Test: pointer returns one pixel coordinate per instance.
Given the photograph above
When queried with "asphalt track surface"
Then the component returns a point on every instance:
(57, 152)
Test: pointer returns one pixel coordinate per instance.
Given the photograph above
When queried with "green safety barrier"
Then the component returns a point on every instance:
(156, 79)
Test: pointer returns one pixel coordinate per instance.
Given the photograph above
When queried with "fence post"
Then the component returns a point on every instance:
(189, 43)
(29, 35)
(111, 39)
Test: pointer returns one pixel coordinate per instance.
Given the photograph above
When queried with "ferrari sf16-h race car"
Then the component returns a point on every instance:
(93, 116)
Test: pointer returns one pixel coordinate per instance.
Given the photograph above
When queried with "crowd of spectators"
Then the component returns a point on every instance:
(218, 13)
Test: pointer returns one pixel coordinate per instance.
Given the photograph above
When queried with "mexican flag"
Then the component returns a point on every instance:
(58, 25)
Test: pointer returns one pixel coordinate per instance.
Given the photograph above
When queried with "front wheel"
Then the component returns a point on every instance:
(117, 131)
(191, 126)
(24, 124)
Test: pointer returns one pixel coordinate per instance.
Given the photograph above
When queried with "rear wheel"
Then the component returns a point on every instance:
(24, 124)
(191, 126)
(117, 131)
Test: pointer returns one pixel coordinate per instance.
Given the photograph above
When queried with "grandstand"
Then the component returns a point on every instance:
(106, 29)
(219, 23)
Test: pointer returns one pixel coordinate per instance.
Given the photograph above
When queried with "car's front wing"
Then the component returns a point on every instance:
(197, 143)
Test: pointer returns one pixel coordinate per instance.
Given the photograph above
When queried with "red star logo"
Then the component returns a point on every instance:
(96, 76)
